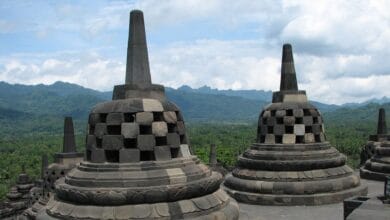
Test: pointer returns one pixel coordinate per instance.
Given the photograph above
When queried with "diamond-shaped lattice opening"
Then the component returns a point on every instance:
(273, 112)
(298, 120)
(317, 138)
(174, 152)
(161, 141)
(158, 116)
(279, 120)
(91, 129)
(171, 128)
(145, 129)
(130, 143)
(114, 129)
(278, 139)
(99, 142)
(306, 112)
(289, 112)
(270, 129)
(147, 156)
(299, 139)
(289, 129)
(315, 120)
(262, 138)
(183, 139)
(112, 156)
(103, 117)
(129, 117)
(264, 120)
(89, 153)
(308, 129)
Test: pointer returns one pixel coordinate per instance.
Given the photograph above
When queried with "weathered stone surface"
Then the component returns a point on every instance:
(130, 130)
(291, 163)
(146, 142)
(181, 128)
(173, 140)
(138, 161)
(309, 138)
(289, 120)
(185, 150)
(270, 139)
(299, 129)
(129, 155)
(113, 142)
(159, 129)
(115, 118)
(144, 118)
(289, 139)
(162, 152)
(100, 130)
(170, 117)
(152, 105)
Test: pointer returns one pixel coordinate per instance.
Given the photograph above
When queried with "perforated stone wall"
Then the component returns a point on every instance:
(290, 126)
(52, 174)
(132, 136)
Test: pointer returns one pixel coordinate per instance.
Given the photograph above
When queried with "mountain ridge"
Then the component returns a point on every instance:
(37, 107)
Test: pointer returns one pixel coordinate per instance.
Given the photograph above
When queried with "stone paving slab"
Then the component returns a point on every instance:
(323, 212)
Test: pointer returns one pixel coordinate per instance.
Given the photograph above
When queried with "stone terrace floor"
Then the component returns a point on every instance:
(323, 212)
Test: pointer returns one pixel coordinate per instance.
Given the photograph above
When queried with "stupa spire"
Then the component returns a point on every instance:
(288, 76)
(382, 128)
(69, 145)
(137, 67)
(213, 155)
(45, 164)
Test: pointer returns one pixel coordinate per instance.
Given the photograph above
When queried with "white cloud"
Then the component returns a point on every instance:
(89, 70)
(341, 47)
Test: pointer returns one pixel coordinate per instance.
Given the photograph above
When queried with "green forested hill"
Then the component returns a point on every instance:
(31, 122)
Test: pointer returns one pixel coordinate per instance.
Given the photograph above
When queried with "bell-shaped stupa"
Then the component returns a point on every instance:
(138, 161)
(63, 161)
(378, 166)
(291, 162)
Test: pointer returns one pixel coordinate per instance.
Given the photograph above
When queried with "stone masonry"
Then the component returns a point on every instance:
(138, 163)
(291, 163)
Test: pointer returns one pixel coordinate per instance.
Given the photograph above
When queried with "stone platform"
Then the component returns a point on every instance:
(321, 212)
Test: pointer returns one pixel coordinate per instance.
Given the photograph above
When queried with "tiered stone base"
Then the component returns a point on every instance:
(299, 174)
(378, 167)
(217, 205)
(173, 189)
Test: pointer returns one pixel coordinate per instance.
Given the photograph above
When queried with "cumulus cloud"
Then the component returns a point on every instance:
(88, 69)
(341, 47)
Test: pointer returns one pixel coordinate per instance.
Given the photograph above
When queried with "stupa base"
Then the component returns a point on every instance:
(217, 205)
(372, 175)
(295, 199)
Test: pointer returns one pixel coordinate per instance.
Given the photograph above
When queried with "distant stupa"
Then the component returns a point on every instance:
(377, 152)
(291, 163)
(138, 161)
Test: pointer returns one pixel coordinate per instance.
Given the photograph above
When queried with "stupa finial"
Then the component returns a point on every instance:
(382, 128)
(213, 155)
(137, 67)
(45, 164)
(69, 145)
(289, 78)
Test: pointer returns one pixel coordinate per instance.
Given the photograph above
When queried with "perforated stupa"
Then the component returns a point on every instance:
(291, 162)
(138, 161)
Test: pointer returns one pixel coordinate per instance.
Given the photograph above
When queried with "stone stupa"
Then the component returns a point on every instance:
(375, 140)
(18, 198)
(291, 162)
(63, 161)
(138, 161)
(378, 166)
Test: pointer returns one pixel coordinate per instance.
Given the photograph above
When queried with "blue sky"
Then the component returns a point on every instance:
(340, 47)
